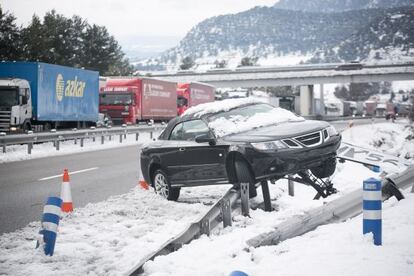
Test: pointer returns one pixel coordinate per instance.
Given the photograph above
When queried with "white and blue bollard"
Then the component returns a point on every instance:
(50, 222)
(238, 273)
(372, 205)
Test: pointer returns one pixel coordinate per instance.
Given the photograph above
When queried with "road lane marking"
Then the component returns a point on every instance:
(70, 173)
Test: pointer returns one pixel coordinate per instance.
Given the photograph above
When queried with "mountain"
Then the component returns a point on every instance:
(276, 37)
(339, 5)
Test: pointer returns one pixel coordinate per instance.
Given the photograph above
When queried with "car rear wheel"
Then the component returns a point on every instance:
(162, 186)
(326, 169)
(244, 176)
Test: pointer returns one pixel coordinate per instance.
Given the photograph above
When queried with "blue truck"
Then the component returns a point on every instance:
(40, 95)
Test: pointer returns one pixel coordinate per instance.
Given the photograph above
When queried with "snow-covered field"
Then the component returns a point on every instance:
(109, 237)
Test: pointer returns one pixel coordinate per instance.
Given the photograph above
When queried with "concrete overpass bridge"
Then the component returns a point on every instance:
(305, 76)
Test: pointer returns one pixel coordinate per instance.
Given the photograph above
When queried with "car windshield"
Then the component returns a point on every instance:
(8, 97)
(248, 117)
(115, 99)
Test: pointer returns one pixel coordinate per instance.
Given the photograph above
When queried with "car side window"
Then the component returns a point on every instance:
(177, 132)
(192, 129)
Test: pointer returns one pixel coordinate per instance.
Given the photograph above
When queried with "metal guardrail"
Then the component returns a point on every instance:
(220, 211)
(58, 136)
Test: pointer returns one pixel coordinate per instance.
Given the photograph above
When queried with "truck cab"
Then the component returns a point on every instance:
(15, 104)
(120, 104)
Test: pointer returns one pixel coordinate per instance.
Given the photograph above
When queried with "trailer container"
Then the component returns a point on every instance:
(41, 94)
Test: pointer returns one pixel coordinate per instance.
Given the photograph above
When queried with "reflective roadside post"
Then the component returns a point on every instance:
(50, 222)
(372, 205)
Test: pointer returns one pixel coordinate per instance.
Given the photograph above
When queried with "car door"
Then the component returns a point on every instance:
(199, 163)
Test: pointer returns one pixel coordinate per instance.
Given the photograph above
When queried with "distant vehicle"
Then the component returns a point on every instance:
(192, 94)
(235, 141)
(349, 66)
(131, 100)
(41, 96)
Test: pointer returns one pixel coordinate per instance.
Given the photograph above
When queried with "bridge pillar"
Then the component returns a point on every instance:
(322, 102)
(306, 100)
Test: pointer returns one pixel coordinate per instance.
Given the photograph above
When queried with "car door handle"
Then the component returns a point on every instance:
(181, 149)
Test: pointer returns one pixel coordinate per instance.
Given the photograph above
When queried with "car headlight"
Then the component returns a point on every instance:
(269, 146)
(332, 131)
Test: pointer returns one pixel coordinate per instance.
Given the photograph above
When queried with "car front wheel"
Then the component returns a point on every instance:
(244, 176)
(162, 186)
(326, 169)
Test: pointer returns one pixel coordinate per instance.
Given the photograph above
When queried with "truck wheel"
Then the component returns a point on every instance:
(27, 126)
(162, 186)
(243, 175)
(326, 169)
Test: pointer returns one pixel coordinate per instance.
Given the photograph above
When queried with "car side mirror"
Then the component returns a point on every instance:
(205, 139)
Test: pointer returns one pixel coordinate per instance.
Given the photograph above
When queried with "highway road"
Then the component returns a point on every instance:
(96, 175)
(25, 185)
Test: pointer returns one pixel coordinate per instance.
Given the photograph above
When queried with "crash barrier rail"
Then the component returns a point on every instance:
(58, 136)
(345, 207)
(329, 118)
(220, 211)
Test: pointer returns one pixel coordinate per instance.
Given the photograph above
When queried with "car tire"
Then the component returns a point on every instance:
(326, 169)
(243, 175)
(162, 186)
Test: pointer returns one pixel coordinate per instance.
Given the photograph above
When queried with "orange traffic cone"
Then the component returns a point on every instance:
(141, 183)
(65, 193)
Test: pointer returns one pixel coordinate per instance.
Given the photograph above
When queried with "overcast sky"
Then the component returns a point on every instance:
(134, 17)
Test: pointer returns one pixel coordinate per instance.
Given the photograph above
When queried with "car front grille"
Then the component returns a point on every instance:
(309, 140)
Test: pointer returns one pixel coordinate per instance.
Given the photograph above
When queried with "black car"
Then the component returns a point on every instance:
(246, 142)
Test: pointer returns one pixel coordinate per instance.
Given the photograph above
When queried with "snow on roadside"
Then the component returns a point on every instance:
(19, 152)
(105, 238)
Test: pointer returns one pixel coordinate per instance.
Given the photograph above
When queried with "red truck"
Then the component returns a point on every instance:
(131, 100)
(193, 93)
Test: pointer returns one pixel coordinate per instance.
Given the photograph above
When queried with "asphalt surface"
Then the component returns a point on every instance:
(25, 185)
(24, 189)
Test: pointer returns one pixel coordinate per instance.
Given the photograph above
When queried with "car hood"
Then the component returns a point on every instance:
(276, 132)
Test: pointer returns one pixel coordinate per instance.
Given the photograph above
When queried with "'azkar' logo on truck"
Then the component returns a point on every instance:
(72, 88)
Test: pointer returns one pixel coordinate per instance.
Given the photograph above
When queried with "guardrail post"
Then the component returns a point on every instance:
(102, 139)
(372, 201)
(75, 141)
(81, 142)
(205, 227)
(57, 144)
(93, 138)
(4, 148)
(120, 138)
(110, 137)
(151, 134)
(266, 196)
(125, 134)
(244, 196)
(226, 212)
(136, 136)
(291, 187)
(29, 148)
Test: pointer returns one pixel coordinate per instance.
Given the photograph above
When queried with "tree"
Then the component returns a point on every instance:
(10, 48)
(187, 63)
(73, 42)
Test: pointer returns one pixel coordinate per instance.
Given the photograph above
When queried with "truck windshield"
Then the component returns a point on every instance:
(9, 96)
(115, 99)
(181, 101)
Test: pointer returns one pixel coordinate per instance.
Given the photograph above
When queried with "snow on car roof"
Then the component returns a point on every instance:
(219, 106)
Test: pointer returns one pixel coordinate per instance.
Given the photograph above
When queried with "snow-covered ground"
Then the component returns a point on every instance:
(19, 152)
(109, 237)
